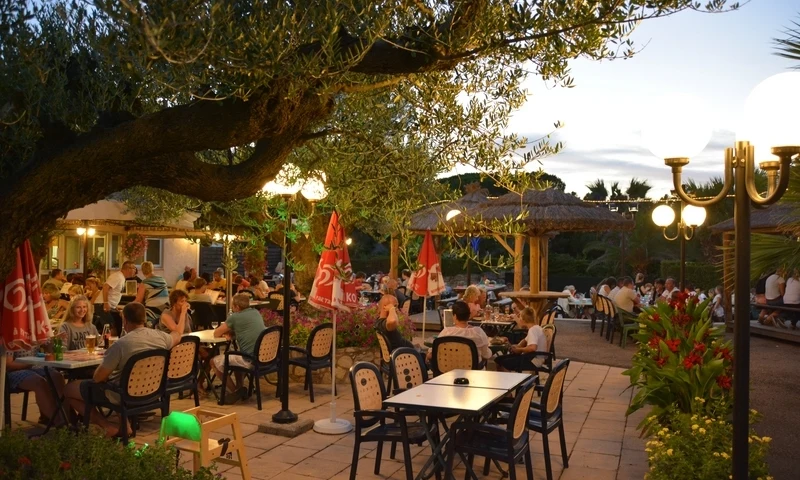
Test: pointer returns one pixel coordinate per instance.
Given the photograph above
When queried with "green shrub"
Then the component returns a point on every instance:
(699, 447)
(681, 357)
(83, 456)
(703, 275)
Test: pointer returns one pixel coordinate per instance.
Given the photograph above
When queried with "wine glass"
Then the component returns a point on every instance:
(214, 325)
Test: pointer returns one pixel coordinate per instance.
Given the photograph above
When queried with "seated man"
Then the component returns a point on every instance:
(138, 339)
(246, 324)
(461, 315)
(627, 299)
(534, 341)
(199, 294)
(387, 325)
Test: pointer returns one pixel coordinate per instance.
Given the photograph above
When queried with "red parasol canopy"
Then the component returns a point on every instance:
(23, 319)
(427, 281)
(333, 287)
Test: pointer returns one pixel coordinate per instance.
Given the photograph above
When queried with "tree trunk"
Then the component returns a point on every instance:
(304, 253)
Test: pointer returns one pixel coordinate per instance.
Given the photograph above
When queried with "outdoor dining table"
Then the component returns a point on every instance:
(439, 397)
(579, 304)
(536, 300)
(207, 337)
(73, 360)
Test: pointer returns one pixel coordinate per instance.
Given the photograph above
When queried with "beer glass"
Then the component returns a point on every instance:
(91, 343)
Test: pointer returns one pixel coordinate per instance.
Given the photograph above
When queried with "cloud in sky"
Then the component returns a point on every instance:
(686, 53)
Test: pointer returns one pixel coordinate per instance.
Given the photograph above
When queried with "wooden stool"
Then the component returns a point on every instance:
(209, 450)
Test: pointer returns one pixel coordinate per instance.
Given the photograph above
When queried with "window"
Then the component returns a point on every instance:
(72, 253)
(114, 260)
(152, 253)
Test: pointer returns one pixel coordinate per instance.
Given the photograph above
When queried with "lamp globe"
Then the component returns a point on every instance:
(677, 126)
(770, 115)
(693, 216)
(663, 215)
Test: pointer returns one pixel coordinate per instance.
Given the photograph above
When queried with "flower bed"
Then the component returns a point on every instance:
(682, 370)
(65, 455)
(355, 336)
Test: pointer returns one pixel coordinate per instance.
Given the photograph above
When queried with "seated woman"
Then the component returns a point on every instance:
(472, 297)
(24, 377)
(74, 291)
(152, 293)
(176, 314)
(77, 324)
(534, 341)
(359, 282)
(56, 308)
(200, 292)
(293, 295)
(259, 287)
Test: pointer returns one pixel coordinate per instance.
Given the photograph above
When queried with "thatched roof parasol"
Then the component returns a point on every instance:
(773, 219)
(431, 217)
(546, 211)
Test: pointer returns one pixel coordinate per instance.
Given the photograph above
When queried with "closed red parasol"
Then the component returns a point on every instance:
(427, 280)
(333, 289)
(23, 318)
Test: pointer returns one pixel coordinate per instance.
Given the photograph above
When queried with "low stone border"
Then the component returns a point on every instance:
(345, 358)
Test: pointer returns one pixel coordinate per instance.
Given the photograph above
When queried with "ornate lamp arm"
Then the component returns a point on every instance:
(782, 167)
(671, 238)
(677, 166)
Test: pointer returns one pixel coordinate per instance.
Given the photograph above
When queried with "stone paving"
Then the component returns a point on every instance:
(602, 443)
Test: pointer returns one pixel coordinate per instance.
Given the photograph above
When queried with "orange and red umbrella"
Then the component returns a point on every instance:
(23, 317)
(427, 280)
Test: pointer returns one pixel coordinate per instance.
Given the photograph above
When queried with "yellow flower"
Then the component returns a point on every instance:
(716, 454)
(725, 455)
(669, 451)
(766, 440)
(708, 422)
(702, 430)
(695, 426)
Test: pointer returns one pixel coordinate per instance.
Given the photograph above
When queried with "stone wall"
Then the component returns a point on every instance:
(345, 358)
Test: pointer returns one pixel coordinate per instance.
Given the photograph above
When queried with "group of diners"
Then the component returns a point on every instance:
(630, 295)
(245, 324)
(534, 339)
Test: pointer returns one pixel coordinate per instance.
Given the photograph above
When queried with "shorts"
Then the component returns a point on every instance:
(18, 376)
(519, 362)
(775, 301)
(233, 360)
(91, 395)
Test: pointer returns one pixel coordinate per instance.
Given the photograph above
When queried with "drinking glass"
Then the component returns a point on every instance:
(91, 343)
(214, 325)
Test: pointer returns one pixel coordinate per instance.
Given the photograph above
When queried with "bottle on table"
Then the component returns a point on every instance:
(58, 349)
(106, 336)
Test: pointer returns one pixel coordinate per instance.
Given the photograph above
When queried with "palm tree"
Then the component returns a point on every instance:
(597, 190)
(638, 188)
(789, 47)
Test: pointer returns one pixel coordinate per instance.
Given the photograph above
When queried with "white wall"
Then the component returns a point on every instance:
(178, 253)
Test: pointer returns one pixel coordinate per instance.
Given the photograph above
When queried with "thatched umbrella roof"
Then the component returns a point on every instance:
(546, 211)
(773, 219)
(431, 217)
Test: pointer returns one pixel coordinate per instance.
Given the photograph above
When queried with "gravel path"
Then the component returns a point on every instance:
(774, 385)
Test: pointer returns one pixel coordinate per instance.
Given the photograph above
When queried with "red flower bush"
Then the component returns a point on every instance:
(680, 356)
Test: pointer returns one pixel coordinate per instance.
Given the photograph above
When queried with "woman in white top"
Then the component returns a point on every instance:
(774, 290)
(791, 296)
(717, 308)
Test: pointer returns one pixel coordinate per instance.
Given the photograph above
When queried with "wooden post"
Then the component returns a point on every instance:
(394, 255)
(519, 251)
(533, 246)
(543, 263)
(727, 275)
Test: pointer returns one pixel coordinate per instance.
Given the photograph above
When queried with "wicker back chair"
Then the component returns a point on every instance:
(277, 296)
(142, 388)
(548, 415)
(316, 355)
(549, 317)
(373, 423)
(607, 313)
(183, 368)
(508, 443)
(262, 361)
(450, 353)
(386, 358)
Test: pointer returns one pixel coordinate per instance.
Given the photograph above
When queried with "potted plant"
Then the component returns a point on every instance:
(134, 246)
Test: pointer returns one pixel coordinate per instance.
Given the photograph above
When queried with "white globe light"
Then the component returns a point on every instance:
(314, 188)
(452, 214)
(693, 216)
(663, 215)
(678, 127)
(285, 182)
(771, 116)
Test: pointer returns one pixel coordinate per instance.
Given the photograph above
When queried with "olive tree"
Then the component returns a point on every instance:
(208, 99)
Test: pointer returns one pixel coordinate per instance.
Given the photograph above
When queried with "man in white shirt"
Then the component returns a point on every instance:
(461, 315)
(775, 288)
(534, 341)
(627, 299)
(112, 289)
(669, 289)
